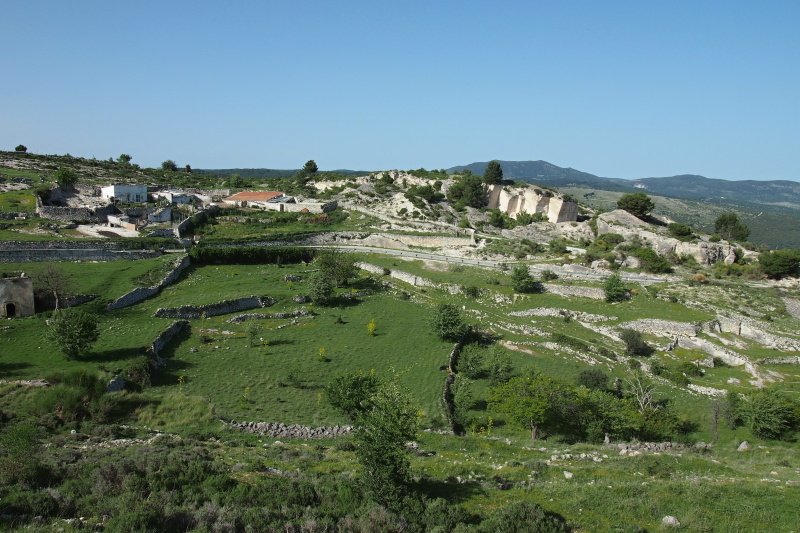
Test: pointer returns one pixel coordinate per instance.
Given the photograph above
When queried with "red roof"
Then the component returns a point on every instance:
(253, 196)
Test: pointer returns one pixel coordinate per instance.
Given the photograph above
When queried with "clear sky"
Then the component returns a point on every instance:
(620, 89)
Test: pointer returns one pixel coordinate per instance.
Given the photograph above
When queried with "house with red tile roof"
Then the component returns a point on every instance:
(252, 198)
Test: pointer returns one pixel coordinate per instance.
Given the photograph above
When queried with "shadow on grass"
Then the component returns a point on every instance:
(10, 370)
(452, 492)
(110, 356)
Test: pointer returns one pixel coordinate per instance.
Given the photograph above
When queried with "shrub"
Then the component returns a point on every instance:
(447, 323)
(678, 230)
(614, 288)
(635, 343)
(471, 361)
(593, 379)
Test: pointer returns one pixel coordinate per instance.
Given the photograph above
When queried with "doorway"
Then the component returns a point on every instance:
(11, 310)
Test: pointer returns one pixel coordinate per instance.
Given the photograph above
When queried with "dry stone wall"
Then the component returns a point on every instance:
(182, 228)
(411, 279)
(569, 291)
(284, 431)
(663, 328)
(167, 335)
(141, 293)
(188, 312)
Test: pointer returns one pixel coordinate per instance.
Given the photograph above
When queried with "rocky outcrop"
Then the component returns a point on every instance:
(517, 200)
(561, 313)
(630, 227)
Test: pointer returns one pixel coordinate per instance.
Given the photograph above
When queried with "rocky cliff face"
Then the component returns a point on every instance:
(514, 201)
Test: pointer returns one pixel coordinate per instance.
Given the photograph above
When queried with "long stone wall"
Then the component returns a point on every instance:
(663, 328)
(167, 335)
(284, 431)
(45, 255)
(180, 229)
(411, 279)
(69, 214)
(141, 293)
(225, 307)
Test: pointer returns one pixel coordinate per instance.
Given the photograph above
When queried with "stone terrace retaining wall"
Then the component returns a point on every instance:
(663, 328)
(180, 229)
(141, 293)
(44, 255)
(224, 307)
(411, 279)
(570, 290)
(558, 313)
(269, 429)
(167, 335)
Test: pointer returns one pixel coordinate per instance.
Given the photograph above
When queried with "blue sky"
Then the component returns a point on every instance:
(619, 89)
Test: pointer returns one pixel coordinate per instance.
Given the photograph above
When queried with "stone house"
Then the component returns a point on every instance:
(124, 193)
(16, 297)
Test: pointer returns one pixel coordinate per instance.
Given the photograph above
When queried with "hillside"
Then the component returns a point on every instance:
(413, 360)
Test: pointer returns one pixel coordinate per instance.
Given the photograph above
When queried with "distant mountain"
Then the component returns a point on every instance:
(267, 172)
(780, 196)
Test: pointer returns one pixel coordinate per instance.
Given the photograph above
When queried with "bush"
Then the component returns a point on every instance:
(593, 379)
(73, 332)
(471, 361)
(614, 288)
(447, 323)
(771, 415)
(522, 281)
(635, 343)
(678, 230)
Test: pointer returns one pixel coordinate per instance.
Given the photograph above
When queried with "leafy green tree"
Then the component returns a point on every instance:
(531, 402)
(614, 288)
(124, 159)
(471, 361)
(522, 281)
(493, 174)
(21, 148)
(729, 227)
(73, 332)
(65, 177)
(339, 266)
(498, 365)
(447, 323)
(771, 415)
(351, 392)
(310, 167)
(388, 421)
(320, 288)
(467, 191)
(637, 204)
(169, 165)
(635, 343)
(779, 263)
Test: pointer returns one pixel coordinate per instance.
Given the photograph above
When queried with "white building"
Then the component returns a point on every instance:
(125, 193)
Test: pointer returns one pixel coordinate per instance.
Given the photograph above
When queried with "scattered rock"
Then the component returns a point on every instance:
(743, 447)
(568, 475)
(670, 521)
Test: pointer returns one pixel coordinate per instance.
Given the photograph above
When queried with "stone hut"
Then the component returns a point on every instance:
(16, 297)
